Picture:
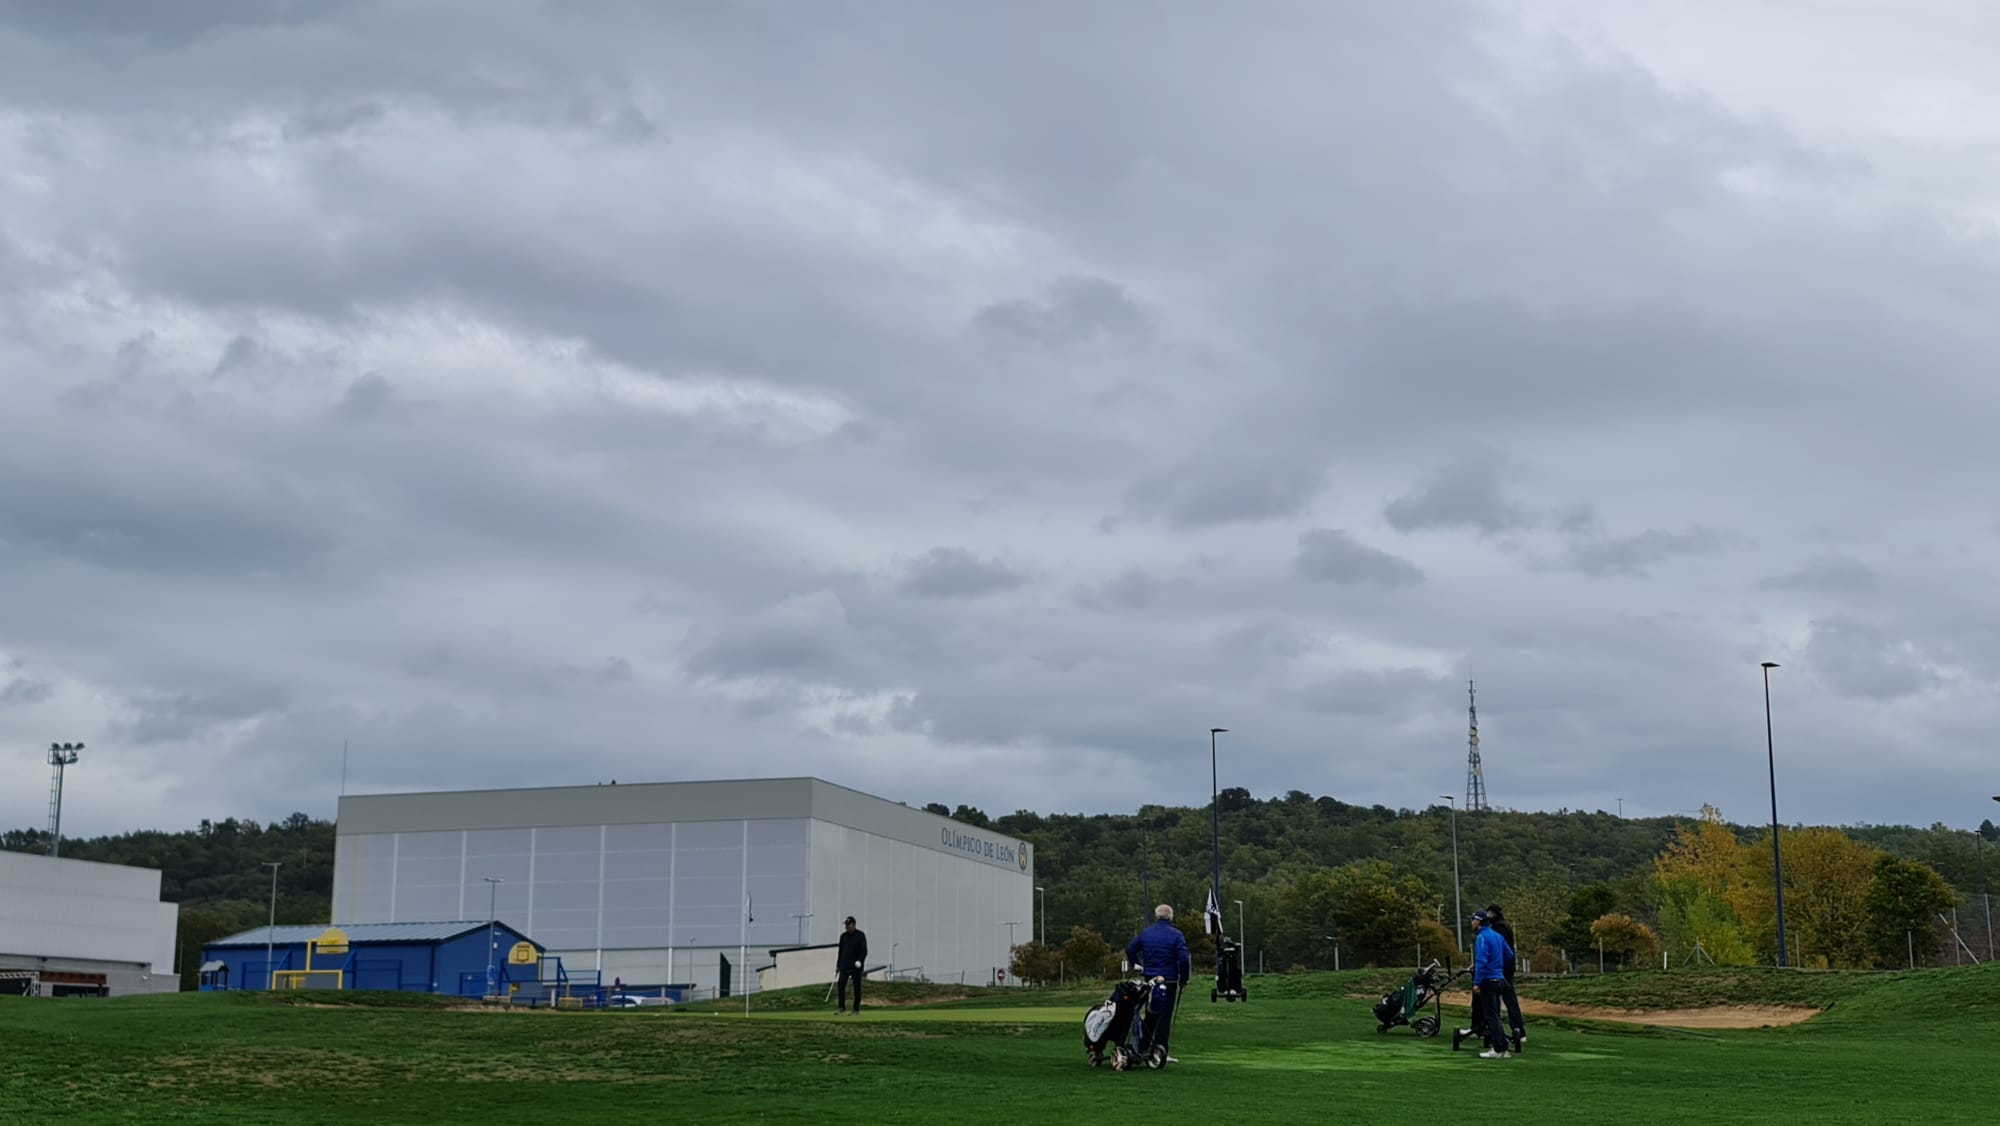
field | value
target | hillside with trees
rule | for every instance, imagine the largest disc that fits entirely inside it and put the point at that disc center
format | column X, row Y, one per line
column 1314, row 873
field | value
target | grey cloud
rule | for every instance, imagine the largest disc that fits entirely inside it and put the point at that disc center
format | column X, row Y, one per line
column 1335, row 556
column 1865, row 660
column 805, row 638
column 1229, row 487
column 181, row 716
column 1130, row 589
column 1376, row 693
column 1831, row 575
column 367, row 399
column 1076, row 310
column 954, row 572
column 23, row 690
column 688, row 318
column 1465, row 493
column 1634, row 555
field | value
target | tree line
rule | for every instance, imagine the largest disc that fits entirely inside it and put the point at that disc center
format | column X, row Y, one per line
column 1315, row 875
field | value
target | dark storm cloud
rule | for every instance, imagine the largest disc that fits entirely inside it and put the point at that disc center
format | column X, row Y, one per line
column 499, row 387
column 1333, row 555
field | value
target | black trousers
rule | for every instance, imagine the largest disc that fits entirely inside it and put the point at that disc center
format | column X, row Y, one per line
column 1513, row 1004
column 841, row 983
column 1489, row 1012
column 1513, row 1007
column 1159, row 1026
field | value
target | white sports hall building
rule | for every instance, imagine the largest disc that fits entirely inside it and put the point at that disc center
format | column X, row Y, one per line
column 649, row 883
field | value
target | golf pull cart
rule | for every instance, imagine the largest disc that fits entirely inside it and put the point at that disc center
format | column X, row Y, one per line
column 1228, row 973
column 1406, row 1005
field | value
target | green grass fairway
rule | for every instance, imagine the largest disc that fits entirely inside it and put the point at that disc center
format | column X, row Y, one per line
column 1910, row 1047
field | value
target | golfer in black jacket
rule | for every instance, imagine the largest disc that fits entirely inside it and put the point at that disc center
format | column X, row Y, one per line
column 1498, row 922
column 853, row 958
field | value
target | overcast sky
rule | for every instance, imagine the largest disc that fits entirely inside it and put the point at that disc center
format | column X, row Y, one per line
column 977, row 403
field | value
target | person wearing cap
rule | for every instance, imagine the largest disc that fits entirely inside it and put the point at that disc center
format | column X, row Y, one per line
column 852, row 956
column 1489, row 979
column 1497, row 919
column 1161, row 951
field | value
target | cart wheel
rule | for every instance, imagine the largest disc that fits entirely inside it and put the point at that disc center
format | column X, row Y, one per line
column 1425, row 1026
column 1380, row 1029
column 1120, row 1061
column 1157, row 1058
column 1213, row 996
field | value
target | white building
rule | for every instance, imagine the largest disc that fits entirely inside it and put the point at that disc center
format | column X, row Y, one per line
column 79, row 927
column 649, row 883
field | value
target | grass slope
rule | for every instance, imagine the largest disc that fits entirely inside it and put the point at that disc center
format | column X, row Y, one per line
column 1300, row 1050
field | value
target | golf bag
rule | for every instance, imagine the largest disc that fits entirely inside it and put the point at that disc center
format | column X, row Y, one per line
column 1406, row 1005
column 1228, row 973
column 1115, row 1026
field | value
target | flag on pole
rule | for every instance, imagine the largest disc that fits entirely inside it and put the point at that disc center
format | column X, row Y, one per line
column 1213, row 915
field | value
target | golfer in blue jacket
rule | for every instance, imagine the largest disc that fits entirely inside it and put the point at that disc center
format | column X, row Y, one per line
column 1160, row 951
column 1490, row 953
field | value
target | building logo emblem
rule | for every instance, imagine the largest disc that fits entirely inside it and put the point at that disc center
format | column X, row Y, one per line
column 1021, row 856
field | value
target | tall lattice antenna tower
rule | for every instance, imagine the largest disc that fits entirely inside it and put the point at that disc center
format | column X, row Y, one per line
column 1475, row 778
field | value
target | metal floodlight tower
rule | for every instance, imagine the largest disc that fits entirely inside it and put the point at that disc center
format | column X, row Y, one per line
column 1475, row 774
column 60, row 755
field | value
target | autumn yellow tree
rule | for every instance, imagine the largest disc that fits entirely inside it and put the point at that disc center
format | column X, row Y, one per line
column 1827, row 878
column 1625, row 940
column 1696, row 877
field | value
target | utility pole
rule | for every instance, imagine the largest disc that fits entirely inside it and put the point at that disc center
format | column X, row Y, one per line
column 1042, row 909
column 270, row 932
column 1457, row 900
column 492, row 931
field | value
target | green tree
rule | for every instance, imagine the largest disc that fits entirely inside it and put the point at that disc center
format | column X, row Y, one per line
column 1586, row 906
column 1034, row 964
column 1904, row 900
column 1088, row 957
column 1625, row 940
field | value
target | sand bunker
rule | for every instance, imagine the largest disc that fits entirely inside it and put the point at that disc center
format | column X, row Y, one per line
column 1713, row 1016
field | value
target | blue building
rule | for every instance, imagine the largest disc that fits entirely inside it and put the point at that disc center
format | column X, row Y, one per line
column 449, row 957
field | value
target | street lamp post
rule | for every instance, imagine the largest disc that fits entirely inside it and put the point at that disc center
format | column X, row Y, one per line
column 1010, row 924
column 270, row 931
column 1777, row 861
column 1983, row 897
column 1241, row 940
column 1214, row 815
column 1457, row 900
column 802, row 925
column 492, row 927
column 1042, row 908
